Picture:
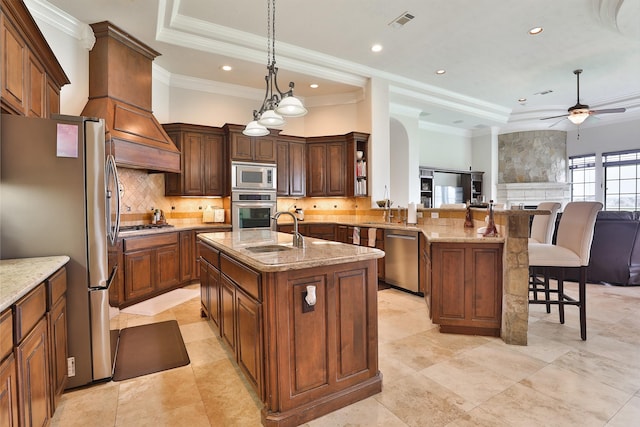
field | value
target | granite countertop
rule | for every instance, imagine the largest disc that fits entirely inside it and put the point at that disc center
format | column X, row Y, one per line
column 318, row 252
column 145, row 231
column 19, row 276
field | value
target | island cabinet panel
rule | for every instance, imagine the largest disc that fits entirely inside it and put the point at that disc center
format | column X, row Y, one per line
column 248, row 316
column 323, row 355
column 466, row 288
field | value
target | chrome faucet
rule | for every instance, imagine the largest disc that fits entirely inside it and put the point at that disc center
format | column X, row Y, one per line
column 298, row 240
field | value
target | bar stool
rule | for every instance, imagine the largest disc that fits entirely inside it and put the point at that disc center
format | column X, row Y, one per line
column 571, row 251
column 542, row 226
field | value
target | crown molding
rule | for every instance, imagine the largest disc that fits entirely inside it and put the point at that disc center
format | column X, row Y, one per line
column 46, row 12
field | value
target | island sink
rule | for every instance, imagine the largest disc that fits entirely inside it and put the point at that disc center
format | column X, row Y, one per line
column 269, row 248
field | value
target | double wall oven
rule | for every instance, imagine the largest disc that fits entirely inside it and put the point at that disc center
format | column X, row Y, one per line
column 253, row 195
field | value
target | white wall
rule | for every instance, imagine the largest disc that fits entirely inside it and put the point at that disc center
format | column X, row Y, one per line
column 613, row 137
column 444, row 150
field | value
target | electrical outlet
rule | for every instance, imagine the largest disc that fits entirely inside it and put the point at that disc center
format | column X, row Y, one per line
column 71, row 367
column 419, row 214
column 435, row 215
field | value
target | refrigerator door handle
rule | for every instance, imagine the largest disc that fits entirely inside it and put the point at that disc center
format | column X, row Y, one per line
column 113, row 225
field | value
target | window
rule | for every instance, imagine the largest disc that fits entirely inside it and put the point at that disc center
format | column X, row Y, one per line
column 622, row 180
column 582, row 171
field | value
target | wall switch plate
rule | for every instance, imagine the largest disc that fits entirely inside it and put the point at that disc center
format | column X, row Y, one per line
column 435, row 215
column 71, row 367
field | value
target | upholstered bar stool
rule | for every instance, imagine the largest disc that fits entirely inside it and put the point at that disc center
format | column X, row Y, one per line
column 542, row 228
column 571, row 251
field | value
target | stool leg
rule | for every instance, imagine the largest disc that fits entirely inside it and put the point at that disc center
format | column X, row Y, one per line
column 561, row 294
column 547, row 296
column 582, row 293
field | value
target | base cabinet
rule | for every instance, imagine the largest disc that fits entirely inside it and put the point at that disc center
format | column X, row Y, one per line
column 466, row 294
column 57, row 325
column 34, row 395
column 8, row 392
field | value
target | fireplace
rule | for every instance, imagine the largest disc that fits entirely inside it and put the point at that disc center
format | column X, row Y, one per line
column 533, row 193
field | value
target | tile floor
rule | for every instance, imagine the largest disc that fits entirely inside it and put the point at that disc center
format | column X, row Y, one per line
column 429, row 379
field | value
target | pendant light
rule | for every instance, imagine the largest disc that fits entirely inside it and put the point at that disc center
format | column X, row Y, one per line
column 276, row 104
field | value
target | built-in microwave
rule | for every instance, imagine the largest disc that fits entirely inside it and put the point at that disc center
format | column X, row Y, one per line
column 253, row 176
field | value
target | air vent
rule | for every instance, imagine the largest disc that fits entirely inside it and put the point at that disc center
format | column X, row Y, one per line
column 544, row 92
column 401, row 20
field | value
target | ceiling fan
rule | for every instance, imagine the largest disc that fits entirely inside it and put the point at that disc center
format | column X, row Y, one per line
column 580, row 112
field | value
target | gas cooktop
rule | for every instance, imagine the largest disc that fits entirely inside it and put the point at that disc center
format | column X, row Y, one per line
column 143, row 227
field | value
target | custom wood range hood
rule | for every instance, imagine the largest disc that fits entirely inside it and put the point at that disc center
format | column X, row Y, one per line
column 120, row 92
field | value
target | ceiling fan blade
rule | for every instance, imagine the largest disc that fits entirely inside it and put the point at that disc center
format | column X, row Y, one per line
column 555, row 123
column 554, row 117
column 608, row 110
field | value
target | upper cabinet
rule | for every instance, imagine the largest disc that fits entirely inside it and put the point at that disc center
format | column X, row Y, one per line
column 261, row 149
column 31, row 77
column 204, row 161
column 291, row 166
column 333, row 167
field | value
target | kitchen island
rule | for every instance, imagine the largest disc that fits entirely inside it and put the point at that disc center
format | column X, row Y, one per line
column 301, row 323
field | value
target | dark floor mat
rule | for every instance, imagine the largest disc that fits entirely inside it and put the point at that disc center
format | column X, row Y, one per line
column 149, row 348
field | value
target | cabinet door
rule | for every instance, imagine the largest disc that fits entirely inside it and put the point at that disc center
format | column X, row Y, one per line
column 213, row 279
column 57, row 319
column 227, row 314
column 249, row 342
column 205, row 300
column 336, row 169
column 8, row 393
column 214, row 166
column 115, row 257
column 241, row 147
column 14, row 57
column 138, row 278
column 33, row 376
column 282, row 165
column 37, row 88
column 173, row 181
column 317, row 169
column 186, row 255
column 484, row 292
column 52, row 100
column 192, row 175
column 448, row 300
column 168, row 266
column 297, row 167
column 264, row 149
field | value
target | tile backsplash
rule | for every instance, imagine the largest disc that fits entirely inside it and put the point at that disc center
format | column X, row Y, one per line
column 142, row 192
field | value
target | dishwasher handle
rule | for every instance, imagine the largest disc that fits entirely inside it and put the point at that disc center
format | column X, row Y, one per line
column 401, row 236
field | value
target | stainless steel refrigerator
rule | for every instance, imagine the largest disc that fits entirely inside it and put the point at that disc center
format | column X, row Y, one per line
column 59, row 196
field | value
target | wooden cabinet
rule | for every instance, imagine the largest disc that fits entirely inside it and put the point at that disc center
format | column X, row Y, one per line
column 187, row 255
column 8, row 391
column 8, row 373
column 57, row 320
column 204, row 161
column 30, row 75
column 259, row 149
column 424, row 270
column 326, row 167
column 209, row 260
column 291, row 166
column 333, row 168
column 466, row 287
column 151, row 266
column 32, row 358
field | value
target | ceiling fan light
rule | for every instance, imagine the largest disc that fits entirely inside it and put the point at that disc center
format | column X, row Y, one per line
column 578, row 118
column 290, row 106
column 270, row 118
column 253, row 128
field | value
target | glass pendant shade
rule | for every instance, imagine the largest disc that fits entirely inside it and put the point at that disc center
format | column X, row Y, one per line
column 270, row 118
column 578, row 118
column 255, row 129
column 290, row 106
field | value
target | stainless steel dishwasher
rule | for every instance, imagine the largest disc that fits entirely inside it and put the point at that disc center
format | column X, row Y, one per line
column 401, row 259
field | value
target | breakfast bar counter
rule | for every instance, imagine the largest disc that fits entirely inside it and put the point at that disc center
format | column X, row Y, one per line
column 301, row 323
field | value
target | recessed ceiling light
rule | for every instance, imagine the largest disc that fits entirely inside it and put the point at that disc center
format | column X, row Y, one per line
column 535, row 30
column 376, row 48
column 521, row 100
column 313, row 85
column 441, row 71
column 226, row 68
